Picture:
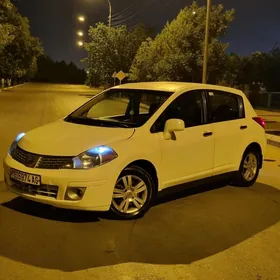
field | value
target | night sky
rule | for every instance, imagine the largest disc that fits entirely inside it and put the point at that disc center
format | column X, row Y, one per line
column 255, row 28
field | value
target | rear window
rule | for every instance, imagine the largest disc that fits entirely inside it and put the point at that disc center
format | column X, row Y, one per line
column 225, row 106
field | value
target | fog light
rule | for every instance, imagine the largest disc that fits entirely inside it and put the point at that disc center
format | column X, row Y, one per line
column 74, row 193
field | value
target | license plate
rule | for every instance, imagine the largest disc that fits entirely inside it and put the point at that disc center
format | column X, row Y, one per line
column 26, row 178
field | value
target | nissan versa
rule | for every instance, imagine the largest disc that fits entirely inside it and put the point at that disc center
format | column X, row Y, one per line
column 121, row 148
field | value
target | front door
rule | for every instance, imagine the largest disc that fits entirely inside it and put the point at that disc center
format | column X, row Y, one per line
column 189, row 154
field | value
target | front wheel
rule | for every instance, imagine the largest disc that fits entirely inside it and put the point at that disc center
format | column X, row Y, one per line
column 134, row 193
column 249, row 169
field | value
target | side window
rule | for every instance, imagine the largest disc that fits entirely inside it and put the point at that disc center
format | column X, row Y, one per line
column 187, row 107
column 224, row 106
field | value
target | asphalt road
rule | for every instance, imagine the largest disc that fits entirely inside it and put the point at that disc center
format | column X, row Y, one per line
column 216, row 232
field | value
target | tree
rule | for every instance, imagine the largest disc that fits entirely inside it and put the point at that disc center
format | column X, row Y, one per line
column 112, row 49
column 18, row 55
column 271, row 70
column 50, row 71
column 177, row 52
column 235, row 70
column 255, row 70
column 6, row 29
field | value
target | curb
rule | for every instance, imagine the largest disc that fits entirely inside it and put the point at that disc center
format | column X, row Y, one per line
column 273, row 140
column 5, row 88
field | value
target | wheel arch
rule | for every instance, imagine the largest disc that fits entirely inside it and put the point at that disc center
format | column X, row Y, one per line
column 256, row 147
column 148, row 167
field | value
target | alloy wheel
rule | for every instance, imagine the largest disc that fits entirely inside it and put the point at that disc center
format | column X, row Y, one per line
column 130, row 194
column 250, row 167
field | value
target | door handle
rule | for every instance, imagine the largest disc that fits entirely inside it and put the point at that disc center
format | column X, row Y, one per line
column 243, row 127
column 207, row 133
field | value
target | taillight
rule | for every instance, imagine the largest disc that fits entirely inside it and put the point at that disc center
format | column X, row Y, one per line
column 260, row 121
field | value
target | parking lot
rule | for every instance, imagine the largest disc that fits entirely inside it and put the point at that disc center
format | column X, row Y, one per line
column 212, row 232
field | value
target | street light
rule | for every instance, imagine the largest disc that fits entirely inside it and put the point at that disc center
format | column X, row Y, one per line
column 80, row 33
column 206, row 43
column 80, row 43
column 81, row 18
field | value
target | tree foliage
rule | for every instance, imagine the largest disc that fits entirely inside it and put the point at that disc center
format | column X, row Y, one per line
column 50, row 71
column 177, row 52
column 264, row 68
column 112, row 49
column 256, row 70
column 19, row 50
column 6, row 29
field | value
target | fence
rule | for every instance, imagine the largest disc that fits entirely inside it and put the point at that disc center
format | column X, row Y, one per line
column 265, row 100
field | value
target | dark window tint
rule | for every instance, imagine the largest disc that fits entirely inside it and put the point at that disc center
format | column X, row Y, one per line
column 224, row 106
column 187, row 107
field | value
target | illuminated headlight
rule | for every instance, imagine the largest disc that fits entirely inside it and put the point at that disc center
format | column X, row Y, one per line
column 14, row 144
column 94, row 157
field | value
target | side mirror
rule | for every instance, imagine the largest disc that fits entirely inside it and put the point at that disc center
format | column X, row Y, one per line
column 173, row 125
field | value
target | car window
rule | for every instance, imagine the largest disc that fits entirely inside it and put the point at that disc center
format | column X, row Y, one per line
column 120, row 107
column 224, row 106
column 187, row 107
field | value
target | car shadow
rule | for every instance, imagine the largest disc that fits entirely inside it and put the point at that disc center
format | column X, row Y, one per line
column 50, row 213
column 180, row 229
column 184, row 190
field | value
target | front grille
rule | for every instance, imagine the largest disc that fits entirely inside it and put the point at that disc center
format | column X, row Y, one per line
column 41, row 161
column 47, row 162
column 43, row 190
column 28, row 159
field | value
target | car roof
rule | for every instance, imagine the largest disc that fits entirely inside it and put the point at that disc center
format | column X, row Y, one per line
column 175, row 86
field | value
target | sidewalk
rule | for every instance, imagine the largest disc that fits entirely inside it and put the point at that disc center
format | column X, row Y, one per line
column 271, row 118
column 269, row 115
column 273, row 140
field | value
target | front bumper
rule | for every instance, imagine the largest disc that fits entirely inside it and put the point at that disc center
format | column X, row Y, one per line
column 98, row 183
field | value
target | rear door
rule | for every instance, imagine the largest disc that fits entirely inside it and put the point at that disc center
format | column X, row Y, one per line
column 226, row 113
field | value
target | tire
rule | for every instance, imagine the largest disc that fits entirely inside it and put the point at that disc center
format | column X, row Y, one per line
column 134, row 193
column 247, row 176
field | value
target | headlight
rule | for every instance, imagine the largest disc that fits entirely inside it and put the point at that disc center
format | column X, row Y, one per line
column 14, row 144
column 94, row 157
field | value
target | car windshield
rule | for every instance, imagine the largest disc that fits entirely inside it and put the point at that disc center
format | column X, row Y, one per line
column 120, row 108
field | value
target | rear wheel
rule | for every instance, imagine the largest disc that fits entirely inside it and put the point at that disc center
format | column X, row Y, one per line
column 134, row 193
column 249, row 169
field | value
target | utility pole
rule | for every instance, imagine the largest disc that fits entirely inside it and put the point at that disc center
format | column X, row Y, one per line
column 206, row 43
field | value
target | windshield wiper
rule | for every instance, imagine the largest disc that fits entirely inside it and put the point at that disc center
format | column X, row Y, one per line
column 114, row 123
column 97, row 122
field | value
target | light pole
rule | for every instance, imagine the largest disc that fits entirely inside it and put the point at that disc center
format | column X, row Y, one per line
column 110, row 13
column 206, row 43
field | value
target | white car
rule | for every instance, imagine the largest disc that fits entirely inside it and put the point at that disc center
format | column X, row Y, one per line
column 132, row 141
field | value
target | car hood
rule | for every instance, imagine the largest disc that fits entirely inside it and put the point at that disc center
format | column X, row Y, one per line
column 67, row 139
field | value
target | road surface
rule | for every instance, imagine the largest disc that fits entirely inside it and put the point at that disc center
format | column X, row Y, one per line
column 214, row 233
